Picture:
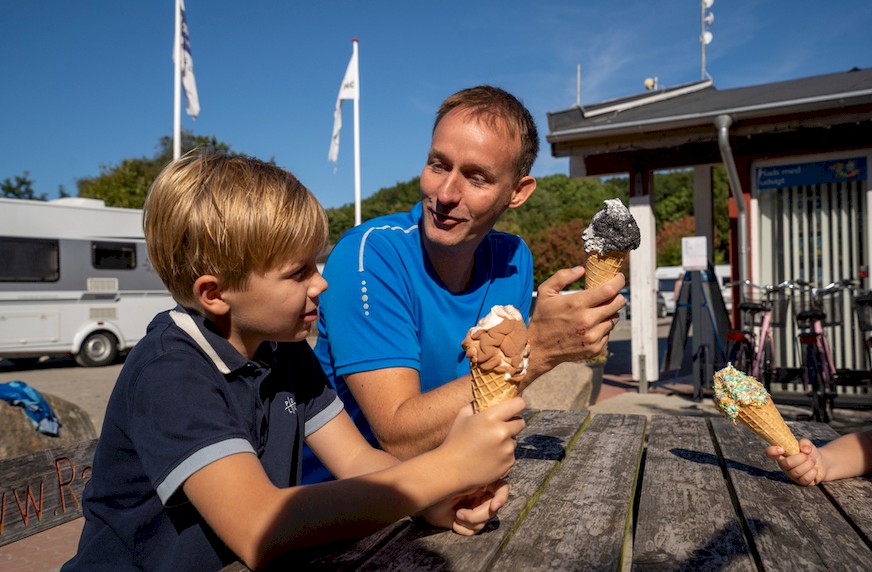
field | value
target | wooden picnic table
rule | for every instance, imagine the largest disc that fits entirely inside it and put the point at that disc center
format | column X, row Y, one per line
column 621, row 492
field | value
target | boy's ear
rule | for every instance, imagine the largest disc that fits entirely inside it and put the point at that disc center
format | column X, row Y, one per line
column 207, row 290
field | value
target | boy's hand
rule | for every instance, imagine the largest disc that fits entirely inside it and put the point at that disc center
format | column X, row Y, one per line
column 805, row 468
column 481, row 446
column 468, row 513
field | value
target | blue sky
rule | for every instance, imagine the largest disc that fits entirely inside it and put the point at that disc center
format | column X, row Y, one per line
column 89, row 83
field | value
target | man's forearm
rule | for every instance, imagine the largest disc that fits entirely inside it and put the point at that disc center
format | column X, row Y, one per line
column 421, row 423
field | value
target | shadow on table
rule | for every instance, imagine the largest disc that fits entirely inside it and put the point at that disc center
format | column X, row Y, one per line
column 709, row 459
column 540, row 447
column 724, row 546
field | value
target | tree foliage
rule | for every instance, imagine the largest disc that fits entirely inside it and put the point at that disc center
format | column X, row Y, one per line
column 126, row 184
column 21, row 187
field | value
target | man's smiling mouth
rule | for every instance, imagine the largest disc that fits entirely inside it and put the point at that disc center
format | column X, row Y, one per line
column 444, row 219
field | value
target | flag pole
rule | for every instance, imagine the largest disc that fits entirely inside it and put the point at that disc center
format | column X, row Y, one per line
column 356, row 140
column 177, row 83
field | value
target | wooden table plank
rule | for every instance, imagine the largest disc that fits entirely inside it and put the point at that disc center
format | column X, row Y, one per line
column 852, row 496
column 581, row 519
column 792, row 527
column 541, row 447
column 686, row 519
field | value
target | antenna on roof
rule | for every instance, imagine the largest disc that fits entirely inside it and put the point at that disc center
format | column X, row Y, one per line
column 705, row 37
column 578, row 86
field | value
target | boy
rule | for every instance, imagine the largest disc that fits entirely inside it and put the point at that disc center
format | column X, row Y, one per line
column 201, row 443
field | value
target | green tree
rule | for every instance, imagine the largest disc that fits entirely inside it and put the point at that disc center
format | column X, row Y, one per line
column 21, row 187
column 126, row 184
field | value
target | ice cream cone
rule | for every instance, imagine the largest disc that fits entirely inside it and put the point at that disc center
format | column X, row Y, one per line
column 498, row 354
column 741, row 397
column 601, row 267
column 490, row 388
column 766, row 421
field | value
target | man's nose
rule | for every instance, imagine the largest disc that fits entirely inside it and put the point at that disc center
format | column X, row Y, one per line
column 450, row 189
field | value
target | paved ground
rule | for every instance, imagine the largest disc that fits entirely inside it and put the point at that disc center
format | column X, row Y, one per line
column 566, row 387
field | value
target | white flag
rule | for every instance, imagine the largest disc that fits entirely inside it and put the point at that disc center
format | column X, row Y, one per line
column 348, row 90
column 192, row 106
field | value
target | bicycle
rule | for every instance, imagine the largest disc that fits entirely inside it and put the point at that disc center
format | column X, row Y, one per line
column 863, row 310
column 748, row 351
column 819, row 370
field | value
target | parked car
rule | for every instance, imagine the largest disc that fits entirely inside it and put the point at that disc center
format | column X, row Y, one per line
column 661, row 303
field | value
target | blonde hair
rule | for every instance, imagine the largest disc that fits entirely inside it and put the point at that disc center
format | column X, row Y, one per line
column 229, row 216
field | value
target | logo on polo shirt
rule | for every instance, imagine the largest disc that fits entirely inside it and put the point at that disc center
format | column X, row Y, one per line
column 290, row 405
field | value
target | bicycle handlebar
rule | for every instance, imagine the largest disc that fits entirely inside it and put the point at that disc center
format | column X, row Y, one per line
column 844, row 284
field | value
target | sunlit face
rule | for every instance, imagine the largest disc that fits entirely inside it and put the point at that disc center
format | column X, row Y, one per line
column 468, row 181
column 280, row 305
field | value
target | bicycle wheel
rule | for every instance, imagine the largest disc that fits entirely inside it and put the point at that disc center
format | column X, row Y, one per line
column 741, row 355
column 814, row 385
column 767, row 364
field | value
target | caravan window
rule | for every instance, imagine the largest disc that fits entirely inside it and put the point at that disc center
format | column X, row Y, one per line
column 666, row 284
column 29, row 260
column 113, row 255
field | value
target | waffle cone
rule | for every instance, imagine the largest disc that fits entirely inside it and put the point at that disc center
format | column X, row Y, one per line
column 601, row 267
column 490, row 388
column 766, row 421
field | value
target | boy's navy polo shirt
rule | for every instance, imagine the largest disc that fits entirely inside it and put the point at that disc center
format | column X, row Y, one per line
column 186, row 398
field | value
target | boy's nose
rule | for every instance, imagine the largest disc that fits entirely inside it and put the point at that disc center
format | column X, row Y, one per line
column 317, row 285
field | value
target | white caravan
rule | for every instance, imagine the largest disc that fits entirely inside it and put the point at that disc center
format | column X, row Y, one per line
column 668, row 276
column 74, row 280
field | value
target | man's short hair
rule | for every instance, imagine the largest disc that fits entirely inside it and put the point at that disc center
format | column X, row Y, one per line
column 486, row 100
column 229, row 216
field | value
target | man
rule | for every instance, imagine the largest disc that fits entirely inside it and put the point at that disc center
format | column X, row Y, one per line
column 405, row 288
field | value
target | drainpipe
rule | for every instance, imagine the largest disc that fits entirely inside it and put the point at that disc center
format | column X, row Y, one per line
column 723, row 122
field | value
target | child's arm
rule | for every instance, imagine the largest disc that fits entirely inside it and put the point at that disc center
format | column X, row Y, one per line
column 466, row 514
column 258, row 520
column 848, row 456
column 344, row 451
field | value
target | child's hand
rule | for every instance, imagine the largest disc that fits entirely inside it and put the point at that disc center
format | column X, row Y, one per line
column 468, row 513
column 805, row 468
column 480, row 447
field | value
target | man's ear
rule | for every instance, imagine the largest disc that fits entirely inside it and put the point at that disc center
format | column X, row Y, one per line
column 522, row 192
column 207, row 290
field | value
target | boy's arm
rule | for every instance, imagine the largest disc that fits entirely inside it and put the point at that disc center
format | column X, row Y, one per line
column 344, row 451
column 347, row 454
column 258, row 520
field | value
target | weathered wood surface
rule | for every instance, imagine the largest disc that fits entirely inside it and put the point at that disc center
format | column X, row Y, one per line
column 43, row 489
column 409, row 545
column 686, row 519
column 791, row 527
column 581, row 520
column 708, row 499
column 852, row 496
column 541, row 447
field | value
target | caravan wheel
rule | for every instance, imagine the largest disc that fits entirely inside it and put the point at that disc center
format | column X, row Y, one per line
column 98, row 349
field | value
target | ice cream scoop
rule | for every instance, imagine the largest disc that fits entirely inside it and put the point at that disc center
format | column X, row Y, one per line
column 498, row 354
column 612, row 233
column 740, row 397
